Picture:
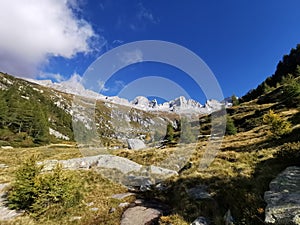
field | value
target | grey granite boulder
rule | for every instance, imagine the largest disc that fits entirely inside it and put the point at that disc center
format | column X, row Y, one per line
column 122, row 170
column 283, row 198
column 135, row 144
column 102, row 161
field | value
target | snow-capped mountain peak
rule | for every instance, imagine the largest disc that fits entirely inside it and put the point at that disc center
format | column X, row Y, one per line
column 179, row 105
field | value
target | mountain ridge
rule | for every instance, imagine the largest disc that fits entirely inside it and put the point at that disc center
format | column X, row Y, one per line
column 179, row 105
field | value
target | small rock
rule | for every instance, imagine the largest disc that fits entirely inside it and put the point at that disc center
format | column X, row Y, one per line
column 139, row 201
column 200, row 221
column 74, row 218
column 89, row 204
column 94, row 209
column 161, row 187
column 135, row 144
column 111, row 210
column 140, row 215
column 3, row 166
column 122, row 196
column 7, row 147
column 199, row 192
column 124, row 204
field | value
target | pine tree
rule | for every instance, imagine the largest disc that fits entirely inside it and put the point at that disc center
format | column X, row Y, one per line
column 39, row 126
column 3, row 110
column 230, row 127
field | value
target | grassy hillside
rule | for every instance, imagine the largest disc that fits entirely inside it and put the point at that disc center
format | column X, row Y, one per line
column 236, row 179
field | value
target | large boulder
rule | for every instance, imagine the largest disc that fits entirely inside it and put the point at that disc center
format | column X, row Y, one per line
column 135, row 144
column 283, row 198
column 122, row 170
column 100, row 161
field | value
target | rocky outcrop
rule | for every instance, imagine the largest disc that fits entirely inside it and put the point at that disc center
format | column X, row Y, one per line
column 283, row 198
column 116, row 168
column 135, row 144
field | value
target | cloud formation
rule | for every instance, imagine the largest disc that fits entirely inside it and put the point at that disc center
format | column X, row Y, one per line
column 146, row 14
column 131, row 57
column 34, row 30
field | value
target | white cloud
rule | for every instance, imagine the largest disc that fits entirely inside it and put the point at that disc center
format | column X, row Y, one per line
column 131, row 57
column 102, row 86
column 145, row 14
column 33, row 30
column 56, row 76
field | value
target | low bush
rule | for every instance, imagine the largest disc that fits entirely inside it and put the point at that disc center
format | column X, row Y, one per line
column 36, row 192
column 277, row 126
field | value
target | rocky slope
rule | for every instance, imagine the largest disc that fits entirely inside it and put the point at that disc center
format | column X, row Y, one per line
column 68, row 112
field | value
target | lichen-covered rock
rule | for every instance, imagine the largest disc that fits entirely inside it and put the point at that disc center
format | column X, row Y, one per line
column 283, row 198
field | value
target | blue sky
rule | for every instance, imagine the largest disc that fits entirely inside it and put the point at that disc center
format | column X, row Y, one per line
column 240, row 41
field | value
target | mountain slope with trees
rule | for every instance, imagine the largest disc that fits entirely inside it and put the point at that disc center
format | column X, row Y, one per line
column 287, row 68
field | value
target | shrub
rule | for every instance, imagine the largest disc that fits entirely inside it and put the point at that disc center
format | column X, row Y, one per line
column 36, row 192
column 277, row 126
column 22, row 193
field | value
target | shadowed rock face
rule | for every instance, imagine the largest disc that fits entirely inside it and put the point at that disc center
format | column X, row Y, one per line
column 283, row 198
